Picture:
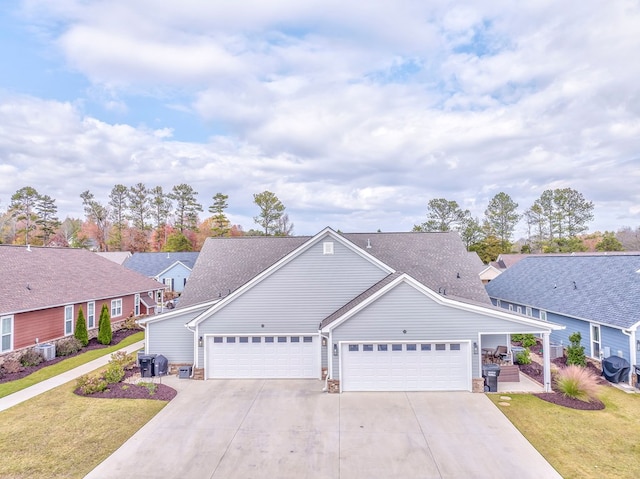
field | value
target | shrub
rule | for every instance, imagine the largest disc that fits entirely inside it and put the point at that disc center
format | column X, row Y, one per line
column 81, row 333
column 526, row 340
column 575, row 352
column 130, row 324
column 152, row 387
column 114, row 373
column 577, row 382
column 104, row 326
column 31, row 357
column 523, row 357
column 127, row 361
column 68, row 346
column 91, row 384
column 11, row 366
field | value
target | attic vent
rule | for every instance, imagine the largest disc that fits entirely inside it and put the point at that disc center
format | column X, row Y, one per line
column 368, row 243
column 327, row 247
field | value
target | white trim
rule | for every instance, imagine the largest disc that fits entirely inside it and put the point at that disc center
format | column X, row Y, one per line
column 486, row 311
column 11, row 332
column 69, row 319
column 136, row 304
column 592, row 341
column 92, row 316
column 175, row 312
column 116, row 300
column 171, row 267
column 288, row 258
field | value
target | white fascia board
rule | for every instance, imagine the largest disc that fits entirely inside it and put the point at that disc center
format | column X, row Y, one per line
column 176, row 312
column 405, row 278
column 171, row 267
column 288, row 258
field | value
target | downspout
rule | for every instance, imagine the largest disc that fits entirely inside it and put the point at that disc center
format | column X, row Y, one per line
column 195, row 348
column 632, row 350
column 326, row 379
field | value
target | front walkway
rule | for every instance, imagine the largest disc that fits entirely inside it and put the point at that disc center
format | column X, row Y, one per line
column 44, row 386
column 526, row 385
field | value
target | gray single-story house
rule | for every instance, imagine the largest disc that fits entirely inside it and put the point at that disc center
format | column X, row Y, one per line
column 372, row 311
column 596, row 296
column 171, row 269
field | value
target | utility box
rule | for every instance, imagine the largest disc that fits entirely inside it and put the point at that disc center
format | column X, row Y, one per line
column 490, row 373
column 47, row 350
column 147, row 369
column 556, row 351
column 184, row 372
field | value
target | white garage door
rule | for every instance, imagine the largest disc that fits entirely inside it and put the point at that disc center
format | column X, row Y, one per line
column 244, row 356
column 420, row 366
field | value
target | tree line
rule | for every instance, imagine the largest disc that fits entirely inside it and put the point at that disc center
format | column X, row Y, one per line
column 135, row 218
column 555, row 223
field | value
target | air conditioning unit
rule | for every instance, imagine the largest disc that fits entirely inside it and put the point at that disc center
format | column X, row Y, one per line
column 48, row 350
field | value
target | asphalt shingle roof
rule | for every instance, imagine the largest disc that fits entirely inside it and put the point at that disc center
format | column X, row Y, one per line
column 438, row 260
column 37, row 278
column 601, row 288
column 152, row 264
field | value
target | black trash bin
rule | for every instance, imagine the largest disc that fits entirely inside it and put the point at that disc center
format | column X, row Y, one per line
column 490, row 373
column 615, row 369
column 147, row 369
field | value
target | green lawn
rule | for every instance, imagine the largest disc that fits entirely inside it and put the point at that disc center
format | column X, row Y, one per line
column 60, row 435
column 66, row 365
column 582, row 444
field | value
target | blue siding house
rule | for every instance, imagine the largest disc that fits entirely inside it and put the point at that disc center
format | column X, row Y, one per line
column 171, row 269
column 598, row 296
column 368, row 311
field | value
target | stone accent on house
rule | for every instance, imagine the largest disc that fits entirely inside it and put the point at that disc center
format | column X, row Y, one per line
column 333, row 386
column 478, row 385
column 324, row 373
column 198, row 373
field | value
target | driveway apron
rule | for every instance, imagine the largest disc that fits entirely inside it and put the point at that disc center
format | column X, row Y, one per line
column 291, row 429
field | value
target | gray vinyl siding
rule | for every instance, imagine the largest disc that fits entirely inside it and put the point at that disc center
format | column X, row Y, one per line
column 298, row 296
column 616, row 340
column 171, row 338
column 405, row 308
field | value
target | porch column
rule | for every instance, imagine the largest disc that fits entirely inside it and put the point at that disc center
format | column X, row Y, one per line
column 546, row 362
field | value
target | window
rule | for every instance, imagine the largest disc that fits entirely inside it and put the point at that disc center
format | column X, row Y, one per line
column 91, row 314
column 116, row 308
column 595, row 341
column 268, row 339
column 168, row 284
column 136, row 305
column 244, row 339
column 498, row 303
column 425, row 347
column 367, row 347
column 382, row 347
column 411, row 347
column 354, row 347
column 231, row 339
column 519, row 309
column 396, row 347
column 68, row 320
column 528, row 311
column 6, row 330
column 256, row 339
column 441, row 347
column 295, row 339
column 543, row 315
column 454, row 347
column 217, row 339
column 307, row 339
column 282, row 339
column 511, row 307
column 327, row 247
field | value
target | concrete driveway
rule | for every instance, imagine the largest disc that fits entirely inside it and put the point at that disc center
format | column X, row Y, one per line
column 291, row 429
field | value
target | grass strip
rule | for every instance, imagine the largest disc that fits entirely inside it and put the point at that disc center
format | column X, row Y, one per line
column 66, row 365
column 582, row 444
column 60, row 435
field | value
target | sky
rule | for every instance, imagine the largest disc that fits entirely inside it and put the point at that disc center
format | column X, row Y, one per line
column 355, row 114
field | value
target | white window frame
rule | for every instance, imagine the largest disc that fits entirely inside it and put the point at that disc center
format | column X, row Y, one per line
column 68, row 320
column 168, row 283
column 519, row 309
column 498, row 303
column 91, row 314
column 116, row 308
column 543, row 315
column 327, row 247
column 595, row 342
column 136, row 305
column 528, row 311
column 3, row 333
column 510, row 307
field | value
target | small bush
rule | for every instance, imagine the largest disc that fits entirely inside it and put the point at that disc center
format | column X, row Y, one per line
column 526, row 340
column 68, row 346
column 91, row 384
column 130, row 324
column 127, row 361
column 104, row 326
column 575, row 352
column 12, row 366
column 31, row 357
column 523, row 357
column 578, row 383
column 114, row 373
column 152, row 387
column 81, row 333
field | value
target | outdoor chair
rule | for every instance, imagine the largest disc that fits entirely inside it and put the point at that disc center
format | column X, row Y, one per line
column 501, row 354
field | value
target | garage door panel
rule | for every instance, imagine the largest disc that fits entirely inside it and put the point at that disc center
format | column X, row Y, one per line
column 419, row 367
column 262, row 357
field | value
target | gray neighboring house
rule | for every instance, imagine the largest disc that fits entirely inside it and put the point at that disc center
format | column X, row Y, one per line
column 372, row 311
column 597, row 296
column 171, row 269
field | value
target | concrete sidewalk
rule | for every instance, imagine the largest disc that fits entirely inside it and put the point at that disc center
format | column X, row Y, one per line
column 32, row 391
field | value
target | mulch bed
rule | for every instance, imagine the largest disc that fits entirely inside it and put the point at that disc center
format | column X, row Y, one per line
column 127, row 390
column 562, row 400
column 93, row 344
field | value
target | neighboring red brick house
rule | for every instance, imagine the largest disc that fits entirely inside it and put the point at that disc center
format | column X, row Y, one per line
column 42, row 289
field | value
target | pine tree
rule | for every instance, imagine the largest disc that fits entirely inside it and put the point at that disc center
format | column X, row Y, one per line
column 575, row 352
column 104, row 326
column 81, row 332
